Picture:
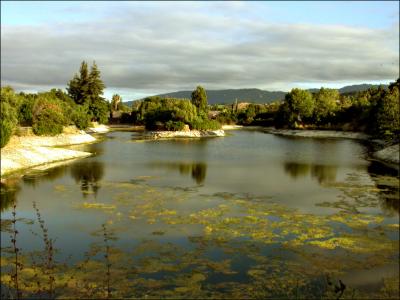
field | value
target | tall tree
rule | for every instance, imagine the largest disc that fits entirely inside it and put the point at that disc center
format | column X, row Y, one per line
column 388, row 111
column 115, row 102
column 199, row 99
column 325, row 103
column 78, row 86
column 95, row 84
column 87, row 89
column 300, row 103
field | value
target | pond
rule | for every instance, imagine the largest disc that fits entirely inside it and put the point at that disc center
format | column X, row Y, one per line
column 249, row 215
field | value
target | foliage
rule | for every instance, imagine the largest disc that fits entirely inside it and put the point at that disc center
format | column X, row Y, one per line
column 26, row 109
column 100, row 111
column 48, row 117
column 174, row 125
column 162, row 110
column 48, row 122
column 325, row 104
column 300, row 103
column 226, row 117
column 116, row 102
column 8, row 122
column 81, row 117
column 87, row 89
column 10, row 103
column 387, row 116
column 79, row 85
column 8, row 95
column 96, row 85
column 199, row 98
column 205, row 124
column 247, row 116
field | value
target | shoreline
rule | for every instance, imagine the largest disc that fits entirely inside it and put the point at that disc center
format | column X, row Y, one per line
column 318, row 133
column 185, row 134
column 32, row 151
column 389, row 156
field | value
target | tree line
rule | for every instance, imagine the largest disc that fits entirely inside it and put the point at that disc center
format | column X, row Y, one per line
column 375, row 111
column 48, row 112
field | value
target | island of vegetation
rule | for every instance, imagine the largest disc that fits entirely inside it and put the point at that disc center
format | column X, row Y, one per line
column 48, row 117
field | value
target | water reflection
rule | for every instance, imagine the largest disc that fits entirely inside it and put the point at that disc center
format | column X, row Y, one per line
column 197, row 170
column 37, row 176
column 88, row 174
column 9, row 190
column 323, row 173
column 387, row 181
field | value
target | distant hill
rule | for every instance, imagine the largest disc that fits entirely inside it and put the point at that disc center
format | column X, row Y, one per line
column 253, row 95
column 359, row 88
column 230, row 95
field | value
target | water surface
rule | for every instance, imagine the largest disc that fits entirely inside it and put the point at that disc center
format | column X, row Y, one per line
column 247, row 215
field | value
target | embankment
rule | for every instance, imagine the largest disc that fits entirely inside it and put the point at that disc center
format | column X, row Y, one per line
column 30, row 151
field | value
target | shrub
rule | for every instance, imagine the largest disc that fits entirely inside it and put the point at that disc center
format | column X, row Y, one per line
column 100, row 111
column 226, row 118
column 8, row 95
column 8, row 122
column 81, row 117
column 25, row 112
column 387, row 116
column 205, row 124
column 174, row 125
column 48, row 119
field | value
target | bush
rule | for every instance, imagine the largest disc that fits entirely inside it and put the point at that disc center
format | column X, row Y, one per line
column 174, row 125
column 8, row 122
column 48, row 118
column 25, row 112
column 100, row 111
column 387, row 115
column 81, row 117
column 205, row 124
column 226, row 118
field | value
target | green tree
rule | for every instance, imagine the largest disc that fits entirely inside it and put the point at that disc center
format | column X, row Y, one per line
column 78, row 87
column 98, row 107
column 387, row 117
column 199, row 99
column 95, row 84
column 9, row 106
column 8, row 122
column 115, row 102
column 87, row 89
column 49, row 115
column 300, row 104
column 325, row 103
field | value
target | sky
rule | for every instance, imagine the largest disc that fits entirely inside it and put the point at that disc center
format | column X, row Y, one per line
column 148, row 48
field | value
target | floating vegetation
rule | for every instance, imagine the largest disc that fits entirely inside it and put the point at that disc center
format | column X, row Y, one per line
column 98, row 206
column 219, row 245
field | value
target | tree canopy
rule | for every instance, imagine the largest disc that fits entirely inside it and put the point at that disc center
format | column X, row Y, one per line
column 86, row 88
column 199, row 99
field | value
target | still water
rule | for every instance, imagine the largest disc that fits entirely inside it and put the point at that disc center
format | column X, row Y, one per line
column 248, row 215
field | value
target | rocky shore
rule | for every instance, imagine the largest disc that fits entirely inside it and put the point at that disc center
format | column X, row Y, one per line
column 318, row 133
column 389, row 155
column 185, row 134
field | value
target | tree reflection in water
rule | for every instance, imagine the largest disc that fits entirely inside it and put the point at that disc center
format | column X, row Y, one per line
column 88, row 174
column 387, row 181
column 8, row 192
column 36, row 176
column 198, row 170
column 323, row 173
